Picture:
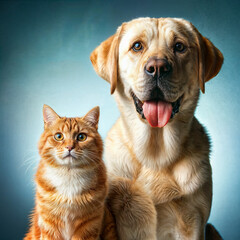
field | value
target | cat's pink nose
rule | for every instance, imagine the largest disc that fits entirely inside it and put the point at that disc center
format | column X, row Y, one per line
column 69, row 148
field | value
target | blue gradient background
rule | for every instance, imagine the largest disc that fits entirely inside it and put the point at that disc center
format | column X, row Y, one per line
column 44, row 58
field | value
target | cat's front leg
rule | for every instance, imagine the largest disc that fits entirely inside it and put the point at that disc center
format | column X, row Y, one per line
column 90, row 228
column 47, row 236
column 109, row 229
column 133, row 210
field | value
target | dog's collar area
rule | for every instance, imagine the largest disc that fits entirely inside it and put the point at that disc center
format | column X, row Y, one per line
column 139, row 105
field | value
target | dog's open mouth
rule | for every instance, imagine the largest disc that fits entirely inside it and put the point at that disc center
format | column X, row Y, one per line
column 156, row 111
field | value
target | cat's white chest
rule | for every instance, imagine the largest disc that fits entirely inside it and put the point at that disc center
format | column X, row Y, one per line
column 69, row 182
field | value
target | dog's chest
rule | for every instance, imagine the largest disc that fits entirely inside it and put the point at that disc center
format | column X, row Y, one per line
column 150, row 179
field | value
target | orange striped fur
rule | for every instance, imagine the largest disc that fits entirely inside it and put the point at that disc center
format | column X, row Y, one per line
column 71, row 181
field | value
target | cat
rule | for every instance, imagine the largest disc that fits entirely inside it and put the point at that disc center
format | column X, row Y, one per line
column 71, row 181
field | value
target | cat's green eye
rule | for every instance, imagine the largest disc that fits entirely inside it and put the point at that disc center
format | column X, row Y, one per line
column 81, row 137
column 58, row 137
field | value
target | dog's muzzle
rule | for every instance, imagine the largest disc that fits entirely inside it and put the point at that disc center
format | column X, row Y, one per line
column 139, row 105
column 155, row 108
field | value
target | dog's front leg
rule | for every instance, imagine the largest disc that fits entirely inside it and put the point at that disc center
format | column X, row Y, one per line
column 160, row 186
column 134, row 211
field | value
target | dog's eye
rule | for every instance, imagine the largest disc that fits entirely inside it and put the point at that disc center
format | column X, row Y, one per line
column 137, row 46
column 58, row 137
column 179, row 47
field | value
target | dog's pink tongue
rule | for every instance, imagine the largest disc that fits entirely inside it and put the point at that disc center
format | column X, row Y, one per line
column 157, row 113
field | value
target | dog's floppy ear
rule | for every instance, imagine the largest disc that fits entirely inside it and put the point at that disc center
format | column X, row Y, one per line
column 210, row 61
column 105, row 59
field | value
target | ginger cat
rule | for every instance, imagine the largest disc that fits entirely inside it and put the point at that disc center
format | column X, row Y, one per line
column 71, row 181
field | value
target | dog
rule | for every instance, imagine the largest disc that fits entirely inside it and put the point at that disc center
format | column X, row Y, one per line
column 157, row 153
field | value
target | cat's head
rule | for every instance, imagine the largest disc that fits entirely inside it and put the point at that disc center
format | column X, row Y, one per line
column 72, row 142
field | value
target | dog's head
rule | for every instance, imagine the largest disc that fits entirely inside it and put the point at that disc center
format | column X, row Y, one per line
column 161, row 63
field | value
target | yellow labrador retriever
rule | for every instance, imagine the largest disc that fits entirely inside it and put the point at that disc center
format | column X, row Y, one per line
column 157, row 153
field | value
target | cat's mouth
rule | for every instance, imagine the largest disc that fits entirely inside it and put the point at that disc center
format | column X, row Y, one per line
column 69, row 155
column 68, row 159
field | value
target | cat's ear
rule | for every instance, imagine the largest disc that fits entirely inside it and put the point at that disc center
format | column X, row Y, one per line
column 49, row 116
column 92, row 117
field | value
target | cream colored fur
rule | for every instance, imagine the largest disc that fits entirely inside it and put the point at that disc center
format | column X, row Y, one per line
column 161, row 184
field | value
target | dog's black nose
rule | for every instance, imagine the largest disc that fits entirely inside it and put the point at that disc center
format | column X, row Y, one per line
column 157, row 67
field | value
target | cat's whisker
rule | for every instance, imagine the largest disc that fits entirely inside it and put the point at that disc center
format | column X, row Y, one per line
column 30, row 161
column 90, row 159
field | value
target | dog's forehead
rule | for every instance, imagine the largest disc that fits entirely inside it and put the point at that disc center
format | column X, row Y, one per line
column 178, row 26
column 139, row 28
column 149, row 28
